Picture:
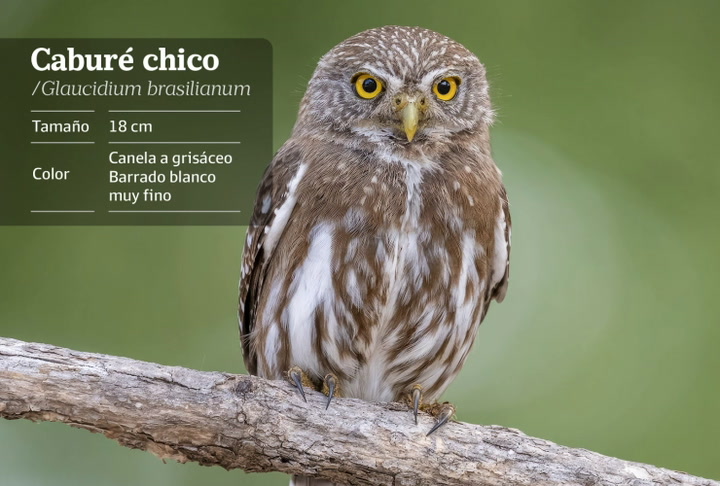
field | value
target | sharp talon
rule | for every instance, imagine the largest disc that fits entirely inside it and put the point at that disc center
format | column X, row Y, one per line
column 416, row 394
column 331, row 383
column 446, row 413
column 295, row 375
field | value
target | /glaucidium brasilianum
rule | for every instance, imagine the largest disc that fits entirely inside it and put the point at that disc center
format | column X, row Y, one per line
column 381, row 229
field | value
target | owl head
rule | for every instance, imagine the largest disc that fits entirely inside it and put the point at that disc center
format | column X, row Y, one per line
column 397, row 85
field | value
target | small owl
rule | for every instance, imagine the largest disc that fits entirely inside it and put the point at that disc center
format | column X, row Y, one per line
column 381, row 229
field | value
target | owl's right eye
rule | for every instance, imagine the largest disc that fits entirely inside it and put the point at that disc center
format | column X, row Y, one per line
column 367, row 86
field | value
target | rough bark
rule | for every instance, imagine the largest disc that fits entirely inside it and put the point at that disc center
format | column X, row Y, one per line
column 237, row 421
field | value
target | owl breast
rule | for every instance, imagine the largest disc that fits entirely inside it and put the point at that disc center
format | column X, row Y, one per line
column 389, row 291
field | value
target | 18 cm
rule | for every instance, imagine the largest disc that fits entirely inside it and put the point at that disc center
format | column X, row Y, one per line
column 122, row 126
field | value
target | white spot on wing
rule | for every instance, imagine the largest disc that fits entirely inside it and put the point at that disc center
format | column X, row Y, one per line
column 500, row 257
column 266, row 204
column 282, row 214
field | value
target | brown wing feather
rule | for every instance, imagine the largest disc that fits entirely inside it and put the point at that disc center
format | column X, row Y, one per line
column 272, row 193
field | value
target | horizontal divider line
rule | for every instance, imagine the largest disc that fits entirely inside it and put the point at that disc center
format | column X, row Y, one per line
column 174, row 211
column 174, row 111
column 175, row 143
column 62, row 111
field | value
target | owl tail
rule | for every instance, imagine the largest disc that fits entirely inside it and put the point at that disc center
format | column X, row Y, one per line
column 306, row 481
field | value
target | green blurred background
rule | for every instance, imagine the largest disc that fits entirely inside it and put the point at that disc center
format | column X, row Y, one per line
column 607, row 136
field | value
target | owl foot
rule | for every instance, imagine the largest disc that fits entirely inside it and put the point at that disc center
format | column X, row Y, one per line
column 443, row 412
column 416, row 397
column 329, row 387
column 299, row 380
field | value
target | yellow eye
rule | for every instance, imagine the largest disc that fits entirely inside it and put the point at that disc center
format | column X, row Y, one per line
column 446, row 88
column 367, row 86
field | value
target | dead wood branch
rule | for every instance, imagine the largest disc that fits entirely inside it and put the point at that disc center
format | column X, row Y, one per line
column 236, row 421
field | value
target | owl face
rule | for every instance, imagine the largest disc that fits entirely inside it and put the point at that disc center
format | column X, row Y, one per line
column 400, row 86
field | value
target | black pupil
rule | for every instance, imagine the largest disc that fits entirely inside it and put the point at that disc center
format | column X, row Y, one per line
column 443, row 87
column 369, row 85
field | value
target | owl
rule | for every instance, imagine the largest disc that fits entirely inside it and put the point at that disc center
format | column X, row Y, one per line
column 381, row 229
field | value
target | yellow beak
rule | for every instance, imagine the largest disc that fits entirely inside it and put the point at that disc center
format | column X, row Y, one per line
column 410, row 115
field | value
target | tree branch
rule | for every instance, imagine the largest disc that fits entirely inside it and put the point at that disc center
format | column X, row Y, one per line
column 245, row 422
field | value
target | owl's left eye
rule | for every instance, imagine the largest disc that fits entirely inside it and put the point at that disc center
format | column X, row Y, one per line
column 446, row 88
column 367, row 86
